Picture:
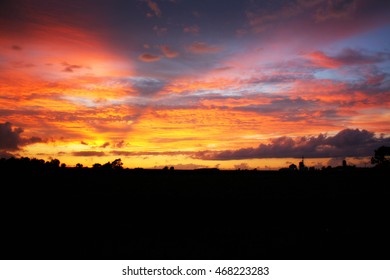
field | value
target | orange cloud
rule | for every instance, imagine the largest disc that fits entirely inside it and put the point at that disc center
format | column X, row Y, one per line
column 201, row 47
column 146, row 57
column 320, row 59
column 168, row 52
column 154, row 7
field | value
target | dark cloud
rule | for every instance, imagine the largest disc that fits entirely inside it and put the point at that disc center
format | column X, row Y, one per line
column 280, row 78
column 11, row 140
column 145, row 153
column 146, row 85
column 31, row 140
column 88, row 154
column 376, row 79
column 6, row 155
column 346, row 143
column 223, row 68
column 347, row 57
column 263, row 17
column 309, row 3
column 71, row 67
column 120, row 144
column 353, row 137
column 375, row 84
column 171, row 140
column 7, row 112
column 281, row 105
column 105, row 145
column 336, row 9
column 351, row 56
column 329, row 114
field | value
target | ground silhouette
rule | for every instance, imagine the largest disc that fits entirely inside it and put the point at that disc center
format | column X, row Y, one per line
column 108, row 212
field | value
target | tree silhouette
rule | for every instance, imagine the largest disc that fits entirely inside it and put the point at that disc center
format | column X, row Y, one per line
column 97, row 165
column 381, row 157
column 54, row 163
column 293, row 167
column 117, row 164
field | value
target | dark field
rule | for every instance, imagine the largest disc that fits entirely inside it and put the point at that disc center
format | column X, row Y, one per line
column 69, row 213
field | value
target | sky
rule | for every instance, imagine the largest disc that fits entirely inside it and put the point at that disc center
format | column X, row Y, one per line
column 194, row 84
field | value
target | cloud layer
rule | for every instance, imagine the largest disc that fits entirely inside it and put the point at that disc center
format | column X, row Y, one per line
column 346, row 143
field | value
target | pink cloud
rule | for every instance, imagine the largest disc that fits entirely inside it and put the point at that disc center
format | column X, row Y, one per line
column 146, row 57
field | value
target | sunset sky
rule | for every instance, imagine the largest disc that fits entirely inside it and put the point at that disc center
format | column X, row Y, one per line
column 189, row 83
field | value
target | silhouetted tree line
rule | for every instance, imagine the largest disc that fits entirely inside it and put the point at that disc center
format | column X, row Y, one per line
column 40, row 164
column 34, row 163
column 104, row 213
column 116, row 165
column 381, row 159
